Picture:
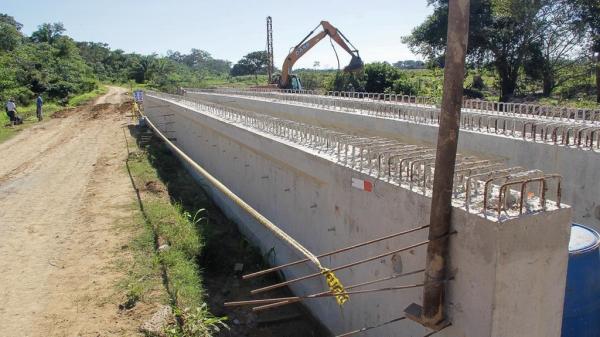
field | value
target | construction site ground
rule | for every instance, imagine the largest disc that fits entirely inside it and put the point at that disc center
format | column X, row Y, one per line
column 63, row 191
column 66, row 208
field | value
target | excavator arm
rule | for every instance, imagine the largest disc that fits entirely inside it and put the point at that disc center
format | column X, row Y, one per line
column 305, row 45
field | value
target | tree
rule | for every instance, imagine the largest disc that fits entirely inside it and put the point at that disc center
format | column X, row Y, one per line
column 48, row 32
column 588, row 16
column 409, row 64
column 160, row 71
column 501, row 32
column 10, row 37
column 429, row 38
column 217, row 66
column 10, row 33
column 559, row 42
column 98, row 57
column 139, row 67
column 380, row 76
column 512, row 34
column 253, row 63
column 197, row 58
column 65, row 47
column 201, row 61
column 5, row 18
column 94, row 52
column 343, row 81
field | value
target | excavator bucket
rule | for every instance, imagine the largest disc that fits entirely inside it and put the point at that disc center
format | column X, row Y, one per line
column 356, row 64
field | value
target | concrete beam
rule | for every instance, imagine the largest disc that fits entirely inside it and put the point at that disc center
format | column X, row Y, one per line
column 581, row 180
column 497, row 266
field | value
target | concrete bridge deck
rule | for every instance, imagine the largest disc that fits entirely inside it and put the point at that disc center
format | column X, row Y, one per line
column 574, row 156
column 324, row 180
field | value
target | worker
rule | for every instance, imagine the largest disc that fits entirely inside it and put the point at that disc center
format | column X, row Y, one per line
column 38, row 111
column 11, row 110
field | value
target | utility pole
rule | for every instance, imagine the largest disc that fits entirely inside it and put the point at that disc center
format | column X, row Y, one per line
column 270, row 48
column 432, row 313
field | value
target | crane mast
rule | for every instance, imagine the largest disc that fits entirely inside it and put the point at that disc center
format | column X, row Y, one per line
column 270, row 65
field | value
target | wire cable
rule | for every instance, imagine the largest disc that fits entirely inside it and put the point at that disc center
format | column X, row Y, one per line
column 335, row 51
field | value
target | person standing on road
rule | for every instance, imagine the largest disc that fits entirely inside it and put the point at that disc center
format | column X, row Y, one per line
column 38, row 111
column 11, row 110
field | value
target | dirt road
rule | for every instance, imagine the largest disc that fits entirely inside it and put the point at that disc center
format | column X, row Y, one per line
column 63, row 189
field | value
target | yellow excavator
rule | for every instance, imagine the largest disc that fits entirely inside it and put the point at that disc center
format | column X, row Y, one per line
column 287, row 80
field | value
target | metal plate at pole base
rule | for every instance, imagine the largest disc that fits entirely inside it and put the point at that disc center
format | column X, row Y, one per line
column 414, row 313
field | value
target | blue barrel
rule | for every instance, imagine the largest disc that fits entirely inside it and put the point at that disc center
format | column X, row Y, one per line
column 581, row 314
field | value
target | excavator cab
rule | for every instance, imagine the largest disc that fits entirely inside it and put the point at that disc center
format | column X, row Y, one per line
column 295, row 83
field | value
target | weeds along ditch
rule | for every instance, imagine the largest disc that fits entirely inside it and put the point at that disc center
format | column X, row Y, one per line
column 199, row 248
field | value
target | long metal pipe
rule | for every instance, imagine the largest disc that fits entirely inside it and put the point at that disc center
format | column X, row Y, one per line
column 278, row 232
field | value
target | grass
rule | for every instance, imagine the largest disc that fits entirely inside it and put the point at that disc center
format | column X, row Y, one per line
column 580, row 103
column 167, row 222
column 144, row 279
column 222, row 245
column 88, row 96
column 133, row 85
column 29, row 118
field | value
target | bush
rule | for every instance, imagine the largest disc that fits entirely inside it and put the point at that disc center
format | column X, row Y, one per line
column 404, row 86
column 380, row 76
column 346, row 82
column 60, row 90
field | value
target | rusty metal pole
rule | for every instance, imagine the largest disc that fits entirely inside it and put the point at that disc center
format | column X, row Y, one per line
column 431, row 314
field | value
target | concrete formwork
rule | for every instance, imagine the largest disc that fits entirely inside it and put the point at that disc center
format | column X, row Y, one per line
column 509, row 276
column 581, row 187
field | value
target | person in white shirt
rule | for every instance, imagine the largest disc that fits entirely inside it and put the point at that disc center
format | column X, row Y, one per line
column 11, row 110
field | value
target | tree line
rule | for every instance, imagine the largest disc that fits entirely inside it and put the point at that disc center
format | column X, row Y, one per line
column 51, row 63
column 541, row 42
column 517, row 49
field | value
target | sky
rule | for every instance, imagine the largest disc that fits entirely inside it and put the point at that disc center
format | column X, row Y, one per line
column 230, row 29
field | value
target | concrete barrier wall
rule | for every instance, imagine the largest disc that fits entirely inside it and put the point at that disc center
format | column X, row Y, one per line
column 311, row 198
column 579, row 168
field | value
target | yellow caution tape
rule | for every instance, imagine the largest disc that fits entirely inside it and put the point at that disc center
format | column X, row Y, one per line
column 335, row 286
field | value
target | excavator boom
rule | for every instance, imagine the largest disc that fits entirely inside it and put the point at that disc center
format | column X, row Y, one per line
column 305, row 45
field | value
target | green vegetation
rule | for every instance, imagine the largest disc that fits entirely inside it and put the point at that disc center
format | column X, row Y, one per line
column 52, row 64
column 253, row 63
column 534, row 48
column 171, row 241
column 143, row 281
column 86, row 97
column 47, row 63
column 198, row 323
